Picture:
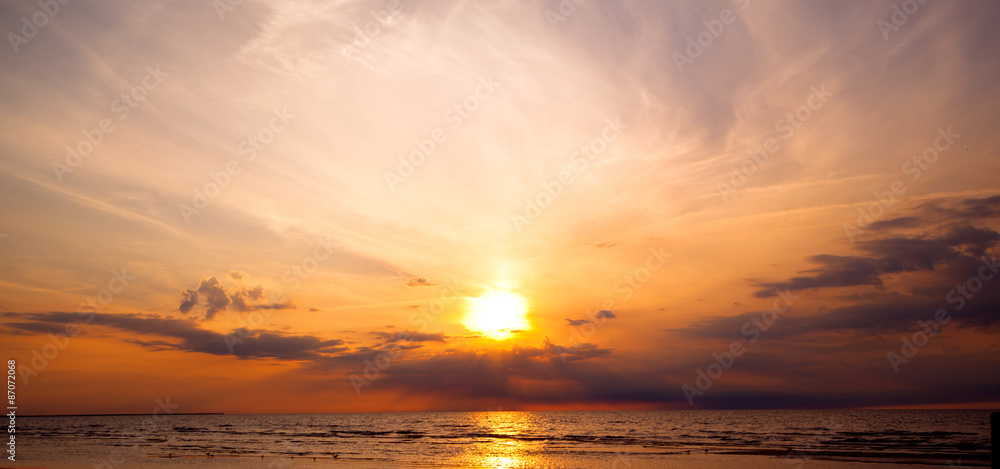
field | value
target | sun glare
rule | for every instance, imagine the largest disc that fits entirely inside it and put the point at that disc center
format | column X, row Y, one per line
column 497, row 313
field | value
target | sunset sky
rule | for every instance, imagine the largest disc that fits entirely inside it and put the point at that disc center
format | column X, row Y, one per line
column 345, row 206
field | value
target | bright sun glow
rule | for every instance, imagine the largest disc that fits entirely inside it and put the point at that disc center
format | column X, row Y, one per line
column 496, row 313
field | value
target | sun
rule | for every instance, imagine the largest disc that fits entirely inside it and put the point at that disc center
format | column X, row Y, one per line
column 497, row 313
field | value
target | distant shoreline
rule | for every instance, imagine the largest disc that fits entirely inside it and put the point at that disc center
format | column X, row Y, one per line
column 121, row 415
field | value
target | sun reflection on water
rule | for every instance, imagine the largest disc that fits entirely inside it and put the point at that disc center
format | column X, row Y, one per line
column 497, row 444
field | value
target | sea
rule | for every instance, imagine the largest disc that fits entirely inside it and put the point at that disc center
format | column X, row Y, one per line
column 821, row 439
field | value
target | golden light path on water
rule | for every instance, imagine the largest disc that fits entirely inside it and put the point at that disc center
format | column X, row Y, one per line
column 497, row 452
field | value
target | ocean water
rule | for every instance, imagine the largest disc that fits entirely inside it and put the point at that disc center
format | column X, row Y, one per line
column 633, row 439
